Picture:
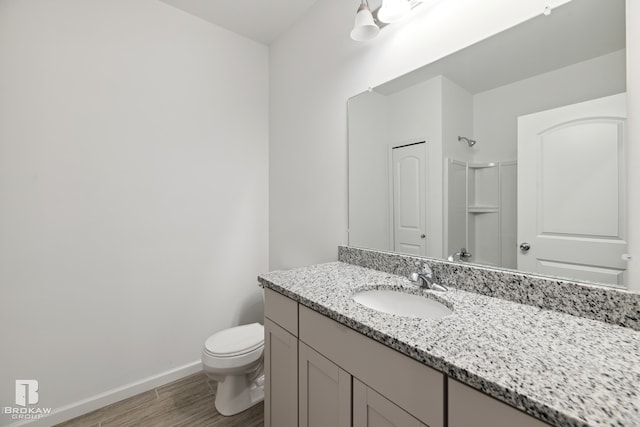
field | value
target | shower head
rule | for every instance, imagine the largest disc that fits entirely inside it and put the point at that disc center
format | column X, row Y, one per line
column 471, row 142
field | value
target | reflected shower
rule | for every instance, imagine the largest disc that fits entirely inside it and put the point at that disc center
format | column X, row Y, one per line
column 471, row 142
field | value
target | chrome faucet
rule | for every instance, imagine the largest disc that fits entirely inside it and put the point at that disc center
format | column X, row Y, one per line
column 426, row 278
column 458, row 256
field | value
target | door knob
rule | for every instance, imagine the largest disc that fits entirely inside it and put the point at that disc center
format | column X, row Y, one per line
column 524, row 246
column 423, row 236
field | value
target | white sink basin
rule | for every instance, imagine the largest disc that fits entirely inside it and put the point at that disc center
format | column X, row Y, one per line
column 402, row 304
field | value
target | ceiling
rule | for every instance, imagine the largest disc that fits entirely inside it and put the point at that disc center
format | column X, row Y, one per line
column 260, row 20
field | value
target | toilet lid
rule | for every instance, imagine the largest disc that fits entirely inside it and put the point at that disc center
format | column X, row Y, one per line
column 236, row 341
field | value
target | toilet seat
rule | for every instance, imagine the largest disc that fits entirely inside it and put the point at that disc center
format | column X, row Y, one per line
column 234, row 359
column 235, row 342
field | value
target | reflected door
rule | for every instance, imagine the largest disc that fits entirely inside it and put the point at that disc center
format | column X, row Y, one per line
column 409, row 189
column 572, row 191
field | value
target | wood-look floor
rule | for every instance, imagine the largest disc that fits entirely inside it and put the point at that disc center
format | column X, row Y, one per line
column 185, row 403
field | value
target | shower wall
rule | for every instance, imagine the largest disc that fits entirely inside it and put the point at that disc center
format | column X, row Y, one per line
column 482, row 211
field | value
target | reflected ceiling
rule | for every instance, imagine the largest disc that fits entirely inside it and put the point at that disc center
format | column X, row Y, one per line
column 563, row 44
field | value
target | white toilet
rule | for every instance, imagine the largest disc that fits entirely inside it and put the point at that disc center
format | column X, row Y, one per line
column 234, row 358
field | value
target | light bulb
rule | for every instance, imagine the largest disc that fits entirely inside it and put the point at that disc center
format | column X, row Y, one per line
column 393, row 10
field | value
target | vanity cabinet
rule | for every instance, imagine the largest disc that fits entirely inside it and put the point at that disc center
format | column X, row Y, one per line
column 319, row 372
column 280, row 361
column 469, row 407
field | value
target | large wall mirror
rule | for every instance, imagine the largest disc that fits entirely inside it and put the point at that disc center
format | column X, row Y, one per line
column 509, row 153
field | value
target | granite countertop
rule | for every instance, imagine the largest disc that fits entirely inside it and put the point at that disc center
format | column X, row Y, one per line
column 561, row 369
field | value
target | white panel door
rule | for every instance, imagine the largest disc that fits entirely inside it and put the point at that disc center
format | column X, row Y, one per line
column 572, row 191
column 409, row 198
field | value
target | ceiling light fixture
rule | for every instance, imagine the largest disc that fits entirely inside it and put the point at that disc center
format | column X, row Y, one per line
column 368, row 23
column 365, row 27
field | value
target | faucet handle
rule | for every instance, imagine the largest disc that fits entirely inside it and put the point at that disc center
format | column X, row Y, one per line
column 458, row 256
column 423, row 266
column 464, row 253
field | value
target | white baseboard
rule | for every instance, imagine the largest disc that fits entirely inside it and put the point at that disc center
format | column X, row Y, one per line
column 98, row 401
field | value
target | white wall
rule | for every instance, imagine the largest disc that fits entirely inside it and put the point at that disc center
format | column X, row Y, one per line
column 314, row 68
column 133, row 193
column 457, row 120
column 415, row 113
column 368, row 179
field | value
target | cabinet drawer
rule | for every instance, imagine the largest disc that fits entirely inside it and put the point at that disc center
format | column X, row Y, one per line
column 469, row 407
column 414, row 387
column 281, row 310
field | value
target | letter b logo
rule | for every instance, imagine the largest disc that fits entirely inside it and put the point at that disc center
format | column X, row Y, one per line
column 26, row 392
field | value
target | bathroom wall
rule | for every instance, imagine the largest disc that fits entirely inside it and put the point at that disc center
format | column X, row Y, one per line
column 315, row 67
column 457, row 120
column 369, row 201
column 133, row 194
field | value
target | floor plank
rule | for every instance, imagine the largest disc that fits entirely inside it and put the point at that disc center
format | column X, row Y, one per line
column 188, row 402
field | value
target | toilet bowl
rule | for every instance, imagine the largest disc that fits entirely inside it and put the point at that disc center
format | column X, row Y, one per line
column 234, row 358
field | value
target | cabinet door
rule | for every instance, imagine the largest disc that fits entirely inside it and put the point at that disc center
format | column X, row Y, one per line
column 414, row 387
column 370, row 409
column 325, row 391
column 281, row 376
column 469, row 407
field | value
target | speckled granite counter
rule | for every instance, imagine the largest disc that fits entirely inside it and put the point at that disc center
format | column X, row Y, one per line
column 562, row 369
